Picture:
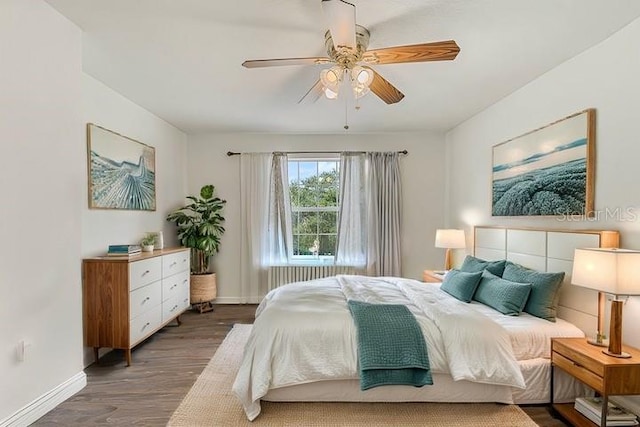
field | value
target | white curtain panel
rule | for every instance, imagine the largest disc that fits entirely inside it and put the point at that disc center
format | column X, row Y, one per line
column 255, row 178
column 265, row 220
column 351, row 248
column 369, row 219
column 280, row 234
column 384, row 214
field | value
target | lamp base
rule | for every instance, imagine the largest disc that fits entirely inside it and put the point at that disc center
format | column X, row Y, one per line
column 621, row 355
column 594, row 341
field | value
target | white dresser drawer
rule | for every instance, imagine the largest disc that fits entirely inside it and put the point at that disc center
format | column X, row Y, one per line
column 144, row 298
column 175, row 263
column 172, row 286
column 171, row 308
column 183, row 298
column 144, row 272
column 145, row 324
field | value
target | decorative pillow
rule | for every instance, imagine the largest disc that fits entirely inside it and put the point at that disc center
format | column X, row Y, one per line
column 545, row 290
column 472, row 264
column 503, row 295
column 460, row 284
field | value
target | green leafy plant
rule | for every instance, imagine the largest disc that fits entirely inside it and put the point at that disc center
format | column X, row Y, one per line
column 148, row 240
column 200, row 227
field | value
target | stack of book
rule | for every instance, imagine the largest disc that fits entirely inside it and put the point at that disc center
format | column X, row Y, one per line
column 124, row 250
column 591, row 407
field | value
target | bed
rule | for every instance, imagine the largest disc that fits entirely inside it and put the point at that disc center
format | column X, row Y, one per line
column 303, row 345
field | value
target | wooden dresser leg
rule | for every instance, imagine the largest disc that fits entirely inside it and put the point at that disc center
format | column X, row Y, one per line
column 127, row 354
column 96, row 355
column 178, row 321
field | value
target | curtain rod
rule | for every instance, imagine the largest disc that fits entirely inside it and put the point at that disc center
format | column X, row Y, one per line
column 232, row 153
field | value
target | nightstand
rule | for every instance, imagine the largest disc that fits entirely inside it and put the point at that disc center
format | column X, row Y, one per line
column 605, row 374
column 430, row 276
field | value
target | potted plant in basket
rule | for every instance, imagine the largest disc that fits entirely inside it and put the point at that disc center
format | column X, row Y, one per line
column 200, row 228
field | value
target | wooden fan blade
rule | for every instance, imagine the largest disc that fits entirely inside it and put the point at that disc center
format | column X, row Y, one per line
column 385, row 90
column 341, row 17
column 437, row 51
column 312, row 94
column 257, row 63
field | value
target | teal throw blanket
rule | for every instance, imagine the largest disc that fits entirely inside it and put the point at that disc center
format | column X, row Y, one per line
column 391, row 347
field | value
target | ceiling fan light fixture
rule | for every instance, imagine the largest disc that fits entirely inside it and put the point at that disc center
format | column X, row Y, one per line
column 331, row 77
column 359, row 90
column 330, row 94
column 362, row 75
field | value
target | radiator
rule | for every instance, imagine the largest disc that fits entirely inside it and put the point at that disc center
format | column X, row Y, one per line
column 283, row 274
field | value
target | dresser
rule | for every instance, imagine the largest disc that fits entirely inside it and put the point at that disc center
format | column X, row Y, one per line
column 127, row 299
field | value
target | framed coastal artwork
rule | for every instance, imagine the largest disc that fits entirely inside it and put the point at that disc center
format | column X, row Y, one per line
column 548, row 171
column 121, row 171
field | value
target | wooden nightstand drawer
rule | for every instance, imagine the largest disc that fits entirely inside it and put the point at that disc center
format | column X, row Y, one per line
column 578, row 371
column 580, row 354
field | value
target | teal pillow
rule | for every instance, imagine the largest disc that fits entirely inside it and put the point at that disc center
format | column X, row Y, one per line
column 503, row 295
column 472, row 264
column 460, row 284
column 545, row 289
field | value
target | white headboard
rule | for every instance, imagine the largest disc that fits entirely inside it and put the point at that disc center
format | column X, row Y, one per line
column 550, row 250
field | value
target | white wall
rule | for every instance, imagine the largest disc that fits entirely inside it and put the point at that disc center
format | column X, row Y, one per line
column 105, row 107
column 604, row 77
column 45, row 224
column 422, row 179
column 41, row 181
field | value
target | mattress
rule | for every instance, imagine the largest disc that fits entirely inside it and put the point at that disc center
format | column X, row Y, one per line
column 530, row 336
column 535, row 371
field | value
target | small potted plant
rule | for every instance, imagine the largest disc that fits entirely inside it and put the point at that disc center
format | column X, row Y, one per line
column 147, row 242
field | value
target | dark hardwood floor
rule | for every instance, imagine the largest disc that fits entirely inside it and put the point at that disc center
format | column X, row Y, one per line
column 163, row 370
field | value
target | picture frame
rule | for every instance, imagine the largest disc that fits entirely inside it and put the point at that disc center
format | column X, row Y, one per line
column 121, row 171
column 548, row 171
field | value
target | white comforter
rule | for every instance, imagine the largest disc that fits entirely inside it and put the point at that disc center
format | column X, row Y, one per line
column 304, row 333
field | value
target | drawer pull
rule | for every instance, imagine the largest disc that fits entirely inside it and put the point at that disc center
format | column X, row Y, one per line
column 184, row 281
column 145, row 326
column 145, row 300
column 173, row 264
column 173, row 286
column 146, row 272
column 174, row 307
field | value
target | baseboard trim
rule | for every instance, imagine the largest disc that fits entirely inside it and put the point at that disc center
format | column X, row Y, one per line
column 45, row 403
column 238, row 300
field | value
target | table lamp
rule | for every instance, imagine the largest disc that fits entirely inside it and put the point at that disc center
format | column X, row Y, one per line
column 612, row 271
column 449, row 239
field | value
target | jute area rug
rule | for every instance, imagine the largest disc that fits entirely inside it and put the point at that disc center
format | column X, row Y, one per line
column 210, row 402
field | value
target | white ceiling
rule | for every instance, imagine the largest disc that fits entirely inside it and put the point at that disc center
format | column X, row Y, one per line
column 181, row 59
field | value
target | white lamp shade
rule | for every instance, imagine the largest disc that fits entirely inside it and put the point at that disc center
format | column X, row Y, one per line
column 450, row 239
column 612, row 271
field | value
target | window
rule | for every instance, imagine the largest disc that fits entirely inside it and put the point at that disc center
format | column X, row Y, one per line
column 314, row 190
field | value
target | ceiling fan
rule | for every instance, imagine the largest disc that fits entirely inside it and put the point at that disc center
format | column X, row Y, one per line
column 346, row 45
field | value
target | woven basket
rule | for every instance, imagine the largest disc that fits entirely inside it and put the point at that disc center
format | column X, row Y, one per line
column 203, row 288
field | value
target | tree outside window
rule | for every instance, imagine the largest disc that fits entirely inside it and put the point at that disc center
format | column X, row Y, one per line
column 314, row 190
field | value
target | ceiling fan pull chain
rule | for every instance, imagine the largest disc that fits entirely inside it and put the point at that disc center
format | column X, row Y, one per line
column 346, row 113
